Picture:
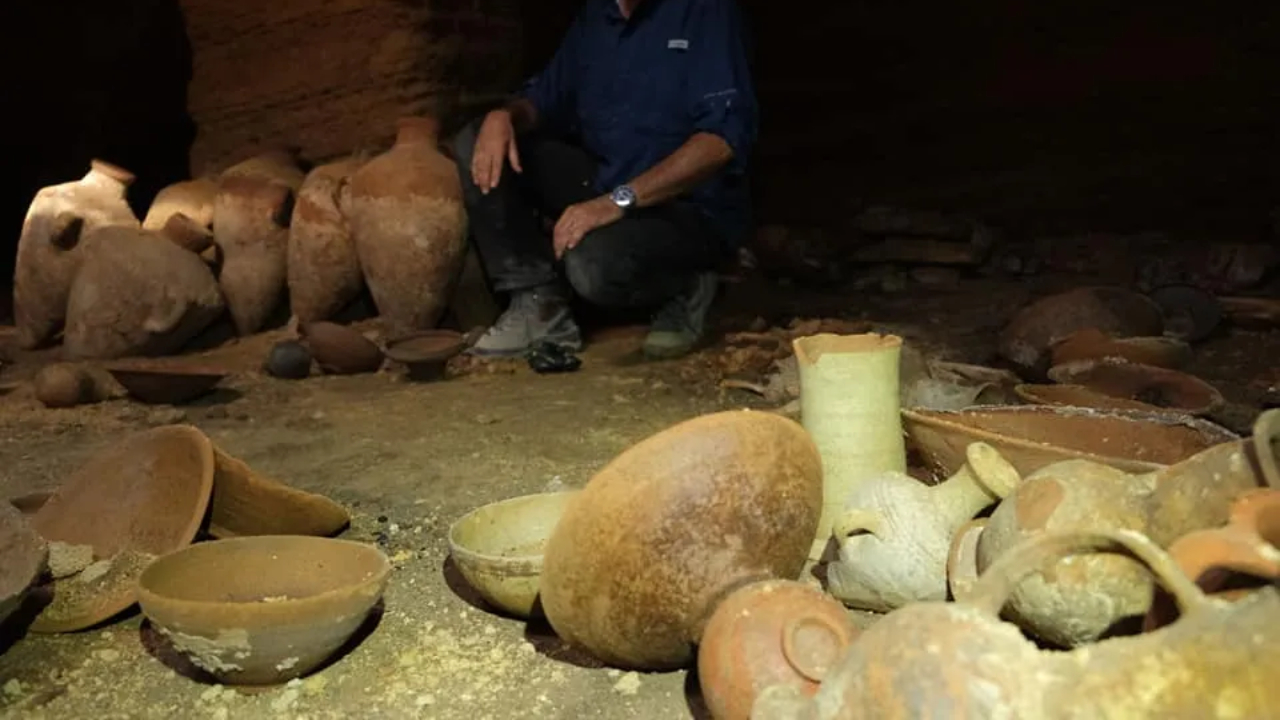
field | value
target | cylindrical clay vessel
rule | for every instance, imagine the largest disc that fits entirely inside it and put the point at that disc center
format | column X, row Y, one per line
column 409, row 225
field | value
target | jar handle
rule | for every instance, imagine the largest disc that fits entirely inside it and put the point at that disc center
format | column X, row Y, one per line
column 993, row 588
column 1266, row 443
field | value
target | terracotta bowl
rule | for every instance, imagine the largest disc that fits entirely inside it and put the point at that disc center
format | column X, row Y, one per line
column 427, row 353
column 1033, row 436
column 139, row 499
column 1077, row 396
column 498, row 548
column 263, row 610
column 1160, row 387
column 162, row 382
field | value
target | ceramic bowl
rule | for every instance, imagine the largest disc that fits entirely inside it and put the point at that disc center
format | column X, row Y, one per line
column 426, row 353
column 263, row 610
column 164, row 383
column 498, row 548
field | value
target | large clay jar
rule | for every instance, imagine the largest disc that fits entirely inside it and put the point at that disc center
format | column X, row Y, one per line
column 642, row 557
column 958, row 660
column 410, row 226
column 324, row 267
column 137, row 293
column 193, row 198
column 769, row 633
column 896, row 532
column 48, row 254
column 251, row 227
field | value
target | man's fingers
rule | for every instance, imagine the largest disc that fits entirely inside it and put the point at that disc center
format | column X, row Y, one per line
column 513, row 155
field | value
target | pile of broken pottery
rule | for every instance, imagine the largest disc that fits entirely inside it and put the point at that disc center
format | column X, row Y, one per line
column 124, row 527
column 1012, row 552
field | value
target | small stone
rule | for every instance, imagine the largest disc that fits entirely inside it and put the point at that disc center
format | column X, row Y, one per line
column 221, row 713
column 483, row 419
column 107, row 655
column 424, row 700
column 13, row 688
column 95, row 571
column 285, row 701
column 217, row 412
column 628, row 685
column 211, row 693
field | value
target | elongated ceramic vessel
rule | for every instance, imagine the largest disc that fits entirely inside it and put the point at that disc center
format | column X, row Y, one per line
column 849, row 404
column 409, row 225
column 324, row 266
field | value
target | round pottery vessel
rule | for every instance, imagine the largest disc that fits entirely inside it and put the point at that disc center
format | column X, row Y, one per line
column 1033, row 436
column 289, row 359
column 192, row 198
column 670, row 527
column 339, row 349
column 63, row 385
column 139, row 499
column 1027, row 339
column 165, row 381
column 409, row 224
column 1161, row 387
column 1190, row 312
column 263, row 610
column 769, row 633
column 427, row 353
column 499, row 548
column 23, row 557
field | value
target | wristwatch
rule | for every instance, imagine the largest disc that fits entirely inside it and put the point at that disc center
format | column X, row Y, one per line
column 624, row 197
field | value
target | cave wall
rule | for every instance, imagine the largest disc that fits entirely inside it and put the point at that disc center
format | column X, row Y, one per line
column 331, row 76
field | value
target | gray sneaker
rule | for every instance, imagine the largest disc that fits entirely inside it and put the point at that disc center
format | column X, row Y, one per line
column 679, row 325
column 532, row 316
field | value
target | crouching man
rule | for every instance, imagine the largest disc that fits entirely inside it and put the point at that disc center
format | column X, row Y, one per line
column 634, row 139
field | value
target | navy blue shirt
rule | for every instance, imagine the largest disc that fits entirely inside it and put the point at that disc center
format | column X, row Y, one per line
column 636, row 90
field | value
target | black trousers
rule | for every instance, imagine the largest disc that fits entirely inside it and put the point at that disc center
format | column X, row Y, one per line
column 640, row 261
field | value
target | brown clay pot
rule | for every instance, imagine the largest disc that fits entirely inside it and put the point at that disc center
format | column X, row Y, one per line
column 1230, row 561
column 1160, row 387
column 641, row 558
column 410, row 226
column 23, row 557
column 193, row 198
column 187, row 233
column 324, row 267
column 1094, row 344
column 263, row 610
column 246, row 502
column 768, row 633
column 49, row 248
column 340, row 349
column 139, row 499
column 1032, row 436
column 1027, row 339
column 137, row 293
column 251, row 228
column 958, row 660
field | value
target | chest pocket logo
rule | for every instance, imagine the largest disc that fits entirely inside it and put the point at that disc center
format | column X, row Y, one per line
column 678, row 44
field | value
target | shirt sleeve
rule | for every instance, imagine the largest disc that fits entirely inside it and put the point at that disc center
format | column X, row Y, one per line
column 722, row 98
column 552, row 90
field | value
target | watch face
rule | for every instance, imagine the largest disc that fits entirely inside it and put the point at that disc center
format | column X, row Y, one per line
column 624, row 196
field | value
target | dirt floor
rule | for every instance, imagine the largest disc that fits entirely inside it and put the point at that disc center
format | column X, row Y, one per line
column 410, row 458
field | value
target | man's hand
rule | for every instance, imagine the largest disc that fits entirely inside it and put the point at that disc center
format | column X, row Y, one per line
column 495, row 144
column 580, row 219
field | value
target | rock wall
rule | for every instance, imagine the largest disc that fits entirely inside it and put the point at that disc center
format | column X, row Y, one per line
column 330, row 76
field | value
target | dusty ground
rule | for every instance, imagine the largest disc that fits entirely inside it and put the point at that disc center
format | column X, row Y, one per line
column 408, row 459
